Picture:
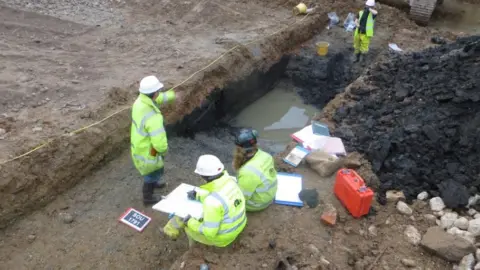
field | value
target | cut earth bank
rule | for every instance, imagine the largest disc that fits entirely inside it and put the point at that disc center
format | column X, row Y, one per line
column 36, row 241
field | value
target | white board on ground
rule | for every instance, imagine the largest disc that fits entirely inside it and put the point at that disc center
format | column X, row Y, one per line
column 288, row 187
column 178, row 204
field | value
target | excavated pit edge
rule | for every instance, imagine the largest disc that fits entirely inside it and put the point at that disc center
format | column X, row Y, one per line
column 31, row 182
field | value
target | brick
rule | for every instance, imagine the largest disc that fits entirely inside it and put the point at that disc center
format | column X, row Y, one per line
column 329, row 215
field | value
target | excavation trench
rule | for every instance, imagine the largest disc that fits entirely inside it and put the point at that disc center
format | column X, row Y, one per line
column 238, row 78
column 277, row 102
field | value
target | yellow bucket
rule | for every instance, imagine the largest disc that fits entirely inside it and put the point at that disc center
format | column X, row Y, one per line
column 300, row 9
column 322, row 48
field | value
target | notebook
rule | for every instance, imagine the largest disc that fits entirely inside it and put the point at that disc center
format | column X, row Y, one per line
column 178, row 204
column 320, row 129
column 296, row 156
column 288, row 187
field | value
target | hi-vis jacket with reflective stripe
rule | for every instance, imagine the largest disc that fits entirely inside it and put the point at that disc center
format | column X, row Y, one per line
column 147, row 132
column 224, row 216
column 258, row 181
column 369, row 26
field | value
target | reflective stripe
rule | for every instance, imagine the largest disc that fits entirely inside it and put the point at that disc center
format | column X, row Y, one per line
column 246, row 193
column 226, row 218
column 164, row 98
column 140, row 129
column 149, row 161
column 157, row 132
column 210, row 224
column 234, row 227
column 258, row 204
column 263, row 178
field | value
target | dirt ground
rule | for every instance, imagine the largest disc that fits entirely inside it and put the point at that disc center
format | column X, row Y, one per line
column 81, row 60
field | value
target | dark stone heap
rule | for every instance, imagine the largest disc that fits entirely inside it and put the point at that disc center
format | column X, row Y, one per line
column 320, row 79
column 418, row 122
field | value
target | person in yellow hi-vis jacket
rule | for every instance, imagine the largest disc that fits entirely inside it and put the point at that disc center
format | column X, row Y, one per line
column 256, row 173
column 364, row 31
column 148, row 140
column 224, row 216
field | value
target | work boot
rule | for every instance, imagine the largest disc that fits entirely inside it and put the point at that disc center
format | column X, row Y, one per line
column 148, row 197
column 361, row 58
column 357, row 57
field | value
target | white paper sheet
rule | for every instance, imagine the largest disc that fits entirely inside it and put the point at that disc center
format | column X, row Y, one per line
column 331, row 145
column 177, row 202
column 288, row 188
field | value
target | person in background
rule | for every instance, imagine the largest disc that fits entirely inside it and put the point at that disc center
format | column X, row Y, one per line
column 364, row 31
column 224, row 216
column 256, row 173
column 148, row 139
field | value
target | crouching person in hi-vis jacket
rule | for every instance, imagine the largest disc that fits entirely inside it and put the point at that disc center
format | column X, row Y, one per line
column 224, row 216
column 148, row 139
column 256, row 174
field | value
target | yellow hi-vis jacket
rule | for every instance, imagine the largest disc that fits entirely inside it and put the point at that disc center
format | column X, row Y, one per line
column 258, row 181
column 148, row 139
column 224, row 216
column 369, row 25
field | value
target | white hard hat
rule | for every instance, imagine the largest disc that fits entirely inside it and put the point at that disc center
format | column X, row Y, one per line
column 209, row 165
column 150, row 84
column 370, row 3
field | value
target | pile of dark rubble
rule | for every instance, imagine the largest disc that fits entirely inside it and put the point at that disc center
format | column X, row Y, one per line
column 320, row 79
column 417, row 119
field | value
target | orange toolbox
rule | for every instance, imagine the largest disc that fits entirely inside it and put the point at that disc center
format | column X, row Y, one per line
column 351, row 190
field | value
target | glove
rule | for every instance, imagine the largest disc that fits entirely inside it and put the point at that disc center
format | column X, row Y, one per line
column 186, row 219
column 192, row 195
column 153, row 152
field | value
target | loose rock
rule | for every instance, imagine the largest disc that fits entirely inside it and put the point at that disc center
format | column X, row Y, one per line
column 461, row 223
column 329, row 215
column 436, row 204
column 313, row 249
column 467, row 262
column 324, row 262
column 395, row 195
column 472, row 212
column 452, row 248
column 473, row 200
column 372, row 230
column 412, row 235
column 404, row 208
column 439, row 213
column 430, row 218
column 31, row 238
column 409, row 263
column 2, row 131
column 448, row 219
column 476, row 216
column 477, row 266
column 474, row 227
column 66, row 217
column 422, row 196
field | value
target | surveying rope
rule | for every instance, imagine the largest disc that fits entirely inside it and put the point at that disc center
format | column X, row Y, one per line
column 115, row 113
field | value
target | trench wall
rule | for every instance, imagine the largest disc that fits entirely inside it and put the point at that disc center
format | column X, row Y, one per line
column 242, row 76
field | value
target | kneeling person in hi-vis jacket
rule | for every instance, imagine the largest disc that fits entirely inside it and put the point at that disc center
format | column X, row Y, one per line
column 256, row 173
column 224, row 216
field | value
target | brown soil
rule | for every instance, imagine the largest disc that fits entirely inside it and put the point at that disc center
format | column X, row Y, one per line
column 61, row 75
column 80, row 73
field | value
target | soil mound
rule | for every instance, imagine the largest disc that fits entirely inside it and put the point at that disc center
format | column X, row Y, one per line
column 417, row 120
column 321, row 78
